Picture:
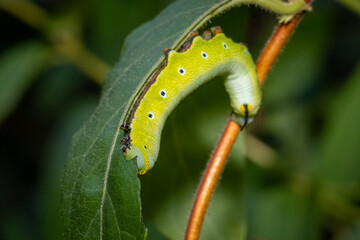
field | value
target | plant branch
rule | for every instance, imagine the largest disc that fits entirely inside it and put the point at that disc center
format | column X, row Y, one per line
column 217, row 161
column 274, row 46
column 65, row 42
column 210, row 178
column 26, row 11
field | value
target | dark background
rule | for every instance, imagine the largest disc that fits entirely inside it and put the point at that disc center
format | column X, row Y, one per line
column 295, row 174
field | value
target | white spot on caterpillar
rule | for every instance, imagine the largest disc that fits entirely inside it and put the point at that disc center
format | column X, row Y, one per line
column 182, row 71
column 163, row 93
column 245, row 52
column 151, row 115
column 225, row 45
column 204, row 55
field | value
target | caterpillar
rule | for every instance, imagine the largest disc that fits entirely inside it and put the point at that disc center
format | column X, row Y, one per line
column 200, row 59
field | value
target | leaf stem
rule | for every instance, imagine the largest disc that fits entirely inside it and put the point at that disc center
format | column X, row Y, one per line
column 217, row 161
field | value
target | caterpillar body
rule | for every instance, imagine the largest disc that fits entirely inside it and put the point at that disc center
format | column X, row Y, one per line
column 200, row 59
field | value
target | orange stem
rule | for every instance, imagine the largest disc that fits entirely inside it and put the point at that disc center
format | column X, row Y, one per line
column 274, row 46
column 217, row 161
column 209, row 179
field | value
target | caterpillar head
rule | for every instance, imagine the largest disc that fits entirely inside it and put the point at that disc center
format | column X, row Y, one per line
column 143, row 161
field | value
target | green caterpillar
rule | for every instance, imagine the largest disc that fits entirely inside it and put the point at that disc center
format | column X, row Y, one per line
column 200, row 59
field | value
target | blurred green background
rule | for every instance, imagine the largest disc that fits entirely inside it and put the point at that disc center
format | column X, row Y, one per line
column 294, row 174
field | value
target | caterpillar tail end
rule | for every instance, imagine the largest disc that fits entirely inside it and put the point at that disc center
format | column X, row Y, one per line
column 244, row 116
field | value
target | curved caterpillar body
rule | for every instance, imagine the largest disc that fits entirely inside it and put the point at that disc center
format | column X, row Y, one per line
column 200, row 59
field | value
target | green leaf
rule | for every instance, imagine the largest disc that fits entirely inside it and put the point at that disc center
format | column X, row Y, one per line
column 278, row 213
column 18, row 66
column 339, row 159
column 101, row 191
column 353, row 5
